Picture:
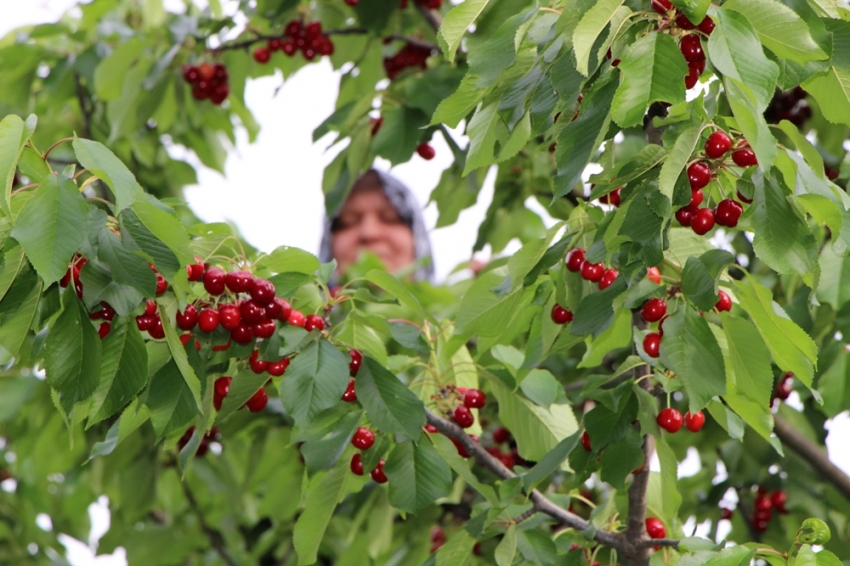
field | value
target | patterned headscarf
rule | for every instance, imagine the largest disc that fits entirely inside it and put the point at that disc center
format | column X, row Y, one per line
column 404, row 201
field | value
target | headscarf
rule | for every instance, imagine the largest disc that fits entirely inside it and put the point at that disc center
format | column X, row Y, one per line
column 404, row 201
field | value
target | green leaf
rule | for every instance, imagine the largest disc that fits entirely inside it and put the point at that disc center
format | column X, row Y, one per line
column 314, row 381
column 748, row 112
column 694, row 9
column 653, row 70
column 390, row 405
column 95, row 157
column 15, row 328
column 123, row 371
column 449, row 452
column 506, row 550
column 588, row 29
column 482, row 137
column 734, row 556
column 400, row 134
column 676, row 160
column 483, row 311
column 327, row 437
column 131, row 419
column 454, row 108
column 395, row 288
column 244, row 385
column 536, row 430
column 595, row 313
column 783, row 240
column 110, row 72
column 699, row 278
column 536, row 547
column 170, row 401
column 831, row 90
column 500, row 51
column 791, row 348
column 606, row 425
column 834, row 386
column 178, row 353
column 324, row 491
column 167, row 229
column 779, row 28
column 14, row 135
column 355, row 333
column 72, row 354
column 457, row 551
column 689, row 348
column 125, row 268
column 417, row 475
column 621, row 458
column 286, row 259
column 672, row 497
column 541, row 387
column 51, row 226
column 455, row 24
column 735, row 50
column 618, row 335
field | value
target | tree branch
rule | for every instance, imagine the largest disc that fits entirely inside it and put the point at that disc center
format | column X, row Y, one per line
column 540, row 501
column 85, row 109
column 433, row 19
column 215, row 538
column 813, row 454
column 260, row 38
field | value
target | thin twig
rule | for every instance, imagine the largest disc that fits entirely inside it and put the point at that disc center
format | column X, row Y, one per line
column 814, row 455
column 84, row 107
column 432, row 17
column 215, row 538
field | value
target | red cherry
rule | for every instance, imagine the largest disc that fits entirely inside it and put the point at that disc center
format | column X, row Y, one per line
column 760, row 526
column 274, row 44
column 157, row 331
column 103, row 329
column 685, row 215
column 279, row 309
column 655, row 528
column 221, row 347
column 560, row 315
column 314, row 28
column 257, row 365
column 725, row 513
column 742, row 198
column 778, row 498
column 190, row 74
column 461, row 449
column 699, row 174
column 145, row 322
column 314, row 321
column 653, row 310
column 694, row 422
column 363, row 439
column 662, row 6
column 206, row 71
column 161, row 284
column 763, row 503
column 208, row 320
column 378, row 473
column 501, row 435
column 612, row 198
column 261, row 55
column 724, row 302
column 278, row 368
column 106, row 311
column 258, row 401
column 222, row 386
column 702, row 221
column 717, row 144
column 706, row 26
column 184, row 339
column 356, row 465
column 744, row 157
column 354, row 364
column 430, row 429
column 264, row 329
column 239, row 281
column 694, row 71
column 691, row 48
column 463, row 416
column 376, row 124
column 251, row 313
column 289, row 48
column 214, row 281
column 575, row 259
column 728, row 212
column 350, row 395
column 585, row 441
column 150, row 307
column 592, row 271
column 696, row 198
column 425, row 151
column 608, row 278
column 683, row 22
column 296, row 318
column 229, row 316
column 187, row 319
column 654, row 275
column 670, row 419
column 242, row 334
column 195, row 271
column 651, row 344
column 293, row 28
column 262, row 291
column 474, row 399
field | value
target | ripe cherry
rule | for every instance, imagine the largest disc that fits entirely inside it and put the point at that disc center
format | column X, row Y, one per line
column 702, row 221
column 187, row 319
column 354, row 364
column 651, row 344
column 161, row 284
column 222, row 386
column 157, row 331
column 608, row 278
column 425, row 151
column 257, row 365
column 560, row 315
column 742, row 198
column 314, row 321
column 662, row 6
column 242, row 334
column 683, row 22
column 612, row 198
column 699, row 174
column 278, row 368
column 363, row 439
column 296, row 318
column 264, row 329
column 694, row 422
column 592, row 271
column 585, row 441
column 685, row 215
column 150, row 307
column 103, row 329
column 463, row 416
column 251, row 313
column 356, row 465
column 239, row 281
column 258, row 401
column 261, row 55
column 744, row 157
column 728, row 212
column 724, row 302
column 195, row 271
column 670, row 419
column 474, row 399
column 501, row 435
column 208, row 320
column 653, row 310
column 262, row 291
column 778, row 498
column 575, row 259
column 145, row 322
column 691, row 48
column 214, row 281
column 717, row 144
column 350, row 395
column 378, row 473
column 654, row 275
column 184, row 339
column 696, row 198
column 655, row 528
column 229, row 316
column 706, row 26
column 694, row 71
column 293, row 28
column 725, row 513
column 280, row 309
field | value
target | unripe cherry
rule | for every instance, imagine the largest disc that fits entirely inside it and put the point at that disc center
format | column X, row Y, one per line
column 575, row 259
column 560, row 315
column 694, row 422
column 463, row 416
column 651, row 344
column 363, row 439
column 653, row 310
column 670, row 419
column 717, row 144
column 474, row 399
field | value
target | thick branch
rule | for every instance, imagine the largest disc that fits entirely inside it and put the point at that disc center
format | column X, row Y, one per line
column 433, row 19
column 215, row 538
column 812, row 454
column 540, row 501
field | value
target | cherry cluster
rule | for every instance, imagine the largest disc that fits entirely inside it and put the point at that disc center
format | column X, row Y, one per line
column 594, row 272
column 509, row 458
column 764, row 505
column 408, row 56
column 308, row 39
column 728, row 211
column 350, row 394
column 363, row 439
column 671, row 420
column 655, row 310
column 789, row 105
column 208, row 81
column 426, row 151
column 471, row 399
column 72, row 274
column 204, row 446
column 612, row 198
column 690, row 44
column 461, row 450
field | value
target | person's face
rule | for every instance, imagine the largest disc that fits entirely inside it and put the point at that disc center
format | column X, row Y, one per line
column 369, row 222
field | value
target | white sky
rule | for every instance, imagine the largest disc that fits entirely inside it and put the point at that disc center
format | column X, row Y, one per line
column 271, row 192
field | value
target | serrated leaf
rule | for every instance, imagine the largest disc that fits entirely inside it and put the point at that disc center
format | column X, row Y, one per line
column 499, row 52
column 178, row 354
column 506, row 550
column 95, row 157
column 123, row 371
column 170, row 401
column 327, row 437
column 676, row 160
column 14, row 134
column 287, row 259
column 457, row 551
column 482, row 311
column 780, row 29
column 320, row 500
column 314, row 381
column 455, row 24
column 455, row 108
column 482, row 137
column 588, row 29
column 15, row 328
column 417, row 475
column 748, row 112
column 395, row 288
column 359, row 336
column 595, row 313
column 126, row 268
column 390, row 405
column 831, row 89
column 699, row 278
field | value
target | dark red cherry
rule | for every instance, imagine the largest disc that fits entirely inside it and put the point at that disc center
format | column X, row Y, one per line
column 575, row 259
column 262, row 291
column 702, row 221
column 699, row 174
column 560, row 315
column 728, row 212
column 187, row 319
column 239, row 281
column 214, row 281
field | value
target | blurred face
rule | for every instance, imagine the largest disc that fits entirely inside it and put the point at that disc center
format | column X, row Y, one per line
column 369, row 222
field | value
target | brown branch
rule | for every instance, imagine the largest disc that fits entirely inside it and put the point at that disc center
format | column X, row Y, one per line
column 432, row 17
column 215, row 538
column 812, row 454
column 540, row 501
column 85, row 109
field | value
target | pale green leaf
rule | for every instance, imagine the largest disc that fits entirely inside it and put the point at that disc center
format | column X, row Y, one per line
column 588, row 29
column 455, row 24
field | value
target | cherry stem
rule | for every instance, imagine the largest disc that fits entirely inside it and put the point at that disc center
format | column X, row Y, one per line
column 24, row 188
column 49, row 149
